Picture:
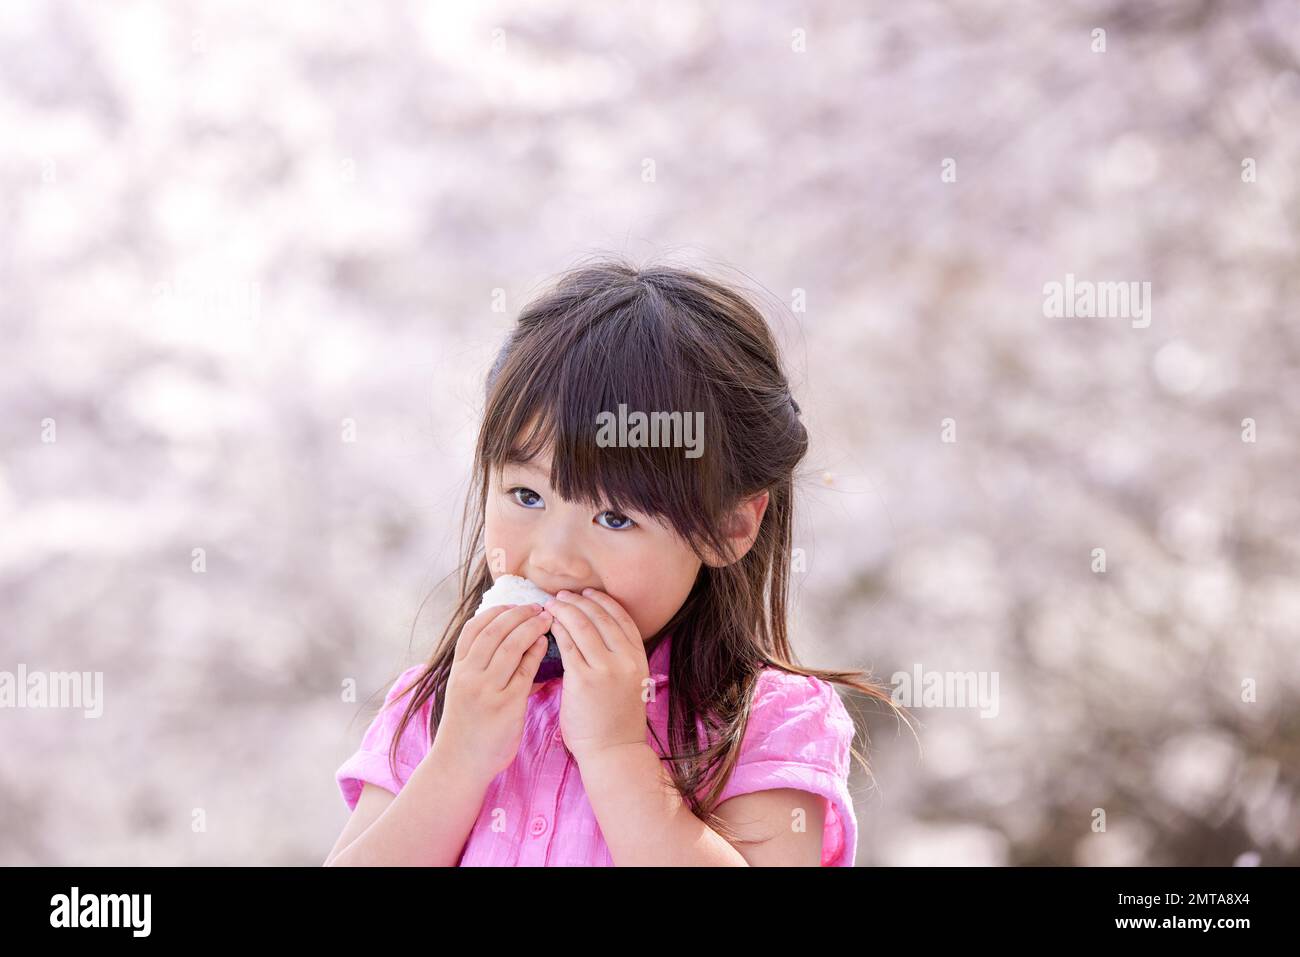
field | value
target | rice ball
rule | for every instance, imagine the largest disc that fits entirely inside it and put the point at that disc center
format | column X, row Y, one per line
column 517, row 590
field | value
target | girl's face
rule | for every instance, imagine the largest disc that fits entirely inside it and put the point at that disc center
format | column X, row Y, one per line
column 530, row 531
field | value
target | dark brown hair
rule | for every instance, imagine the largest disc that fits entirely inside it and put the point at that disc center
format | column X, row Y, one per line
column 657, row 338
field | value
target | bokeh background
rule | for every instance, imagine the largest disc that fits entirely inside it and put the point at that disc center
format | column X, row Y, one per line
column 256, row 258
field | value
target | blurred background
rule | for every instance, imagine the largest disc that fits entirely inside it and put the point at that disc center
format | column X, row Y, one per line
column 257, row 257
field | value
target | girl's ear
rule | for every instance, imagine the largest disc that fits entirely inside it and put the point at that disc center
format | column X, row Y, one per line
column 742, row 530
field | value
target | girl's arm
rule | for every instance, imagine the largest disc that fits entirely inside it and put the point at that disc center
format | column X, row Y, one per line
column 426, row 823
column 647, row 824
column 643, row 817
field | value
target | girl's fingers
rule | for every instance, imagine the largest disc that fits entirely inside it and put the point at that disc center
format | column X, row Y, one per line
column 571, row 655
column 476, row 625
column 609, row 630
column 620, row 616
column 584, row 632
column 506, row 659
column 527, row 669
column 489, row 639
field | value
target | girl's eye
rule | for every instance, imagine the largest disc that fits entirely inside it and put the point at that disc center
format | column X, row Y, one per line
column 526, row 491
column 530, row 499
column 628, row 523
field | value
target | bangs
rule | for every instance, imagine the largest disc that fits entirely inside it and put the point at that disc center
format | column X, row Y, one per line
column 577, row 386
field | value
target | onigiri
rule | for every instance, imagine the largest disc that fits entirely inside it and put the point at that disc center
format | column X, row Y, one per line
column 517, row 590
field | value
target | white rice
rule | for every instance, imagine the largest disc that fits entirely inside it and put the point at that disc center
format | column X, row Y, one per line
column 513, row 590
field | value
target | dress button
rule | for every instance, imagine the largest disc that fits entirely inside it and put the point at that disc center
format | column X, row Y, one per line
column 539, row 826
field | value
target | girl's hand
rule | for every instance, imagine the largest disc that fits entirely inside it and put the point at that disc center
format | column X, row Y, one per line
column 605, row 669
column 497, row 654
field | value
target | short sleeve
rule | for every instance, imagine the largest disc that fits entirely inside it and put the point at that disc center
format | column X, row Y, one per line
column 370, row 762
column 799, row 736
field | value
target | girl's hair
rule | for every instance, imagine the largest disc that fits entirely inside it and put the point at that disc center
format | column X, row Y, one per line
column 656, row 339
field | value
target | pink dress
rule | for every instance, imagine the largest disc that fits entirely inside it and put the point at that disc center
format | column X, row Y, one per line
column 798, row 737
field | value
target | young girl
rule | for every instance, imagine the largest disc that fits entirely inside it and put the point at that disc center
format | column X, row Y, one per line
column 668, row 552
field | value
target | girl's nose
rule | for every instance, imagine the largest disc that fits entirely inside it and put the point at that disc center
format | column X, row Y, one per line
column 557, row 565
